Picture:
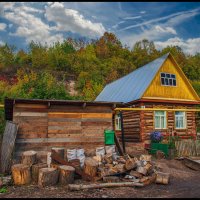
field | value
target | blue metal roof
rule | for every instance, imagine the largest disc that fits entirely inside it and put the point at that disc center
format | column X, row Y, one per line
column 132, row 86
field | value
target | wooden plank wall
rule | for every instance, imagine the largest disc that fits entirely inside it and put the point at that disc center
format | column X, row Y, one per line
column 131, row 120
column 41, row 128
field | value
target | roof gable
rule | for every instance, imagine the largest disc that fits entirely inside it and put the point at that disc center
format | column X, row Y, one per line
column 133, row 85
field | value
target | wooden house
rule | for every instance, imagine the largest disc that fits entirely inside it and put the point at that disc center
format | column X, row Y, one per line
column 163, row 95
column 44, row 124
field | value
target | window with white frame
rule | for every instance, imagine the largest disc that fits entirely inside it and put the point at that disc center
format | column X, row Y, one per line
column 180, row 120
column 117, row 122
column 160, row 119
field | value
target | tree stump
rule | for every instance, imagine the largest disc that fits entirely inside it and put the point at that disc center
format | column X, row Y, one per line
column 162, row 178
column 47, row 177
column 35, row 170
column 21, row 174
column 66, row 174
column 29, row 158
column 90, row 167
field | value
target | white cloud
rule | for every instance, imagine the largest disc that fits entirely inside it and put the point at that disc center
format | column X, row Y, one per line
column 72, row 20
column 190, row 46
column 165, row 29
column 143, row 12
column 30, row 26
column 2, row 26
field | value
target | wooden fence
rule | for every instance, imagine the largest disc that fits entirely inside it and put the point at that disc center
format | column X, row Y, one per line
column 186, row 148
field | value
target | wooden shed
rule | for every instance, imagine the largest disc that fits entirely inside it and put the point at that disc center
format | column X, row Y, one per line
column 44, row 124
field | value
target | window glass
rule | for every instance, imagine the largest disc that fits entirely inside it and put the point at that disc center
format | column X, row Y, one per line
column 168, row 79
column 160, row 119
column 180, row 120
column 117, row 122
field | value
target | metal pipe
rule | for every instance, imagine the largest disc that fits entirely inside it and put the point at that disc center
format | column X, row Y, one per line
column 122, row 131
column 153, row 109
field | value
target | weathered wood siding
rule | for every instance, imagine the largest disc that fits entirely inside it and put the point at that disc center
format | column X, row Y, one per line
column 41, row 128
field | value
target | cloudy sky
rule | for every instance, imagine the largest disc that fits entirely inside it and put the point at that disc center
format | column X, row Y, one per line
column 165, row 23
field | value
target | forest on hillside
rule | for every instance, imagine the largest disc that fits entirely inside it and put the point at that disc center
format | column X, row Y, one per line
column 41, row 71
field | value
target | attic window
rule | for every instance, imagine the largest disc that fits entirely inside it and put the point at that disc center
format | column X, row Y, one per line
column 168, row 79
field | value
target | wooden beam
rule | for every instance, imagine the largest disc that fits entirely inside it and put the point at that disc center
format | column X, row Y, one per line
column 152, row 109
column 122, row 131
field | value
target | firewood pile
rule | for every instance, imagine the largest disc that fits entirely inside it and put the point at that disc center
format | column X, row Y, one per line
column 106, row 169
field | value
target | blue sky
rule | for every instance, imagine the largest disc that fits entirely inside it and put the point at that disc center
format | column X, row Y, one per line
column 165, row 23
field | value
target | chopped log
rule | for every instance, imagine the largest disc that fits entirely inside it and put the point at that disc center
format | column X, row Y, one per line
column 162, row 178
column 144, row 179
column 56, row 166
column 121, row 160
column 148, row 167
column 59, row 151
column 136, row 174
column 35, row 170
column 90, row 167
column 119, row 168
column 66, row 174
column 57, row 158
column 151, row 179
column 142, row 170
column 21, row 174
column 111, row 179
column 74, row 187
column 29, row 158
column 47, row 177
column 146, row 158
column 108, row 158
column 130, row 164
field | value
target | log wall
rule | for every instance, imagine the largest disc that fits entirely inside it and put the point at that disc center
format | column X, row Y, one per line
column 42, row 127
column 148, row 121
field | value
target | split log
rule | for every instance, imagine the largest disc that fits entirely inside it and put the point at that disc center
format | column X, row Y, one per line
column 90, row 167
column 162, row 178
column 111, row 179
column 136, row 174
column 66, row 174
column 119, row 168
column 47, row 177
column 29, row 158
column 35, row 170
column 146, row 158
column 148, row 167
column 151, row 179
column 104, row 185
column 108, row 158
column 59, row 151
column 130, row 164
column 142, row 170
column 21, row 174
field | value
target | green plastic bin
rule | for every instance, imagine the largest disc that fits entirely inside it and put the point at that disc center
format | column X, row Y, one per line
column 109, row 137
column 159, row 146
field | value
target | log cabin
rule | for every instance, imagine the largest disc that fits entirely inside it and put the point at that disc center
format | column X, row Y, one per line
column 164, row 91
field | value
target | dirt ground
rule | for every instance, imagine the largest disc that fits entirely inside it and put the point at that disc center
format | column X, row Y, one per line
column 184, row 183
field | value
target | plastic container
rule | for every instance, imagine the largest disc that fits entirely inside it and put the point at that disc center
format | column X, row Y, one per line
column 159, row 146
column 109, row 137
